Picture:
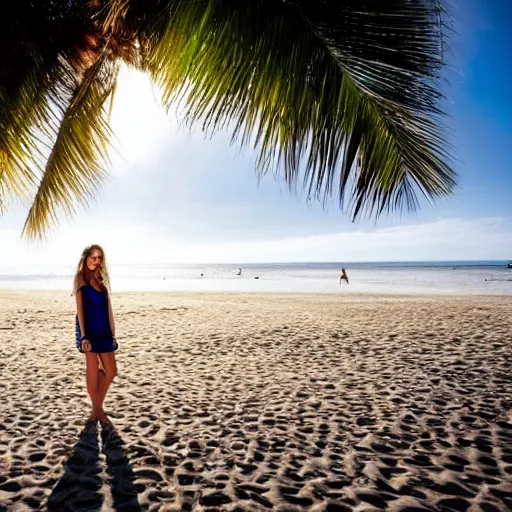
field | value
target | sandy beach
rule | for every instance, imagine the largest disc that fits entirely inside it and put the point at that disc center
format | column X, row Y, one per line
column 246, row 402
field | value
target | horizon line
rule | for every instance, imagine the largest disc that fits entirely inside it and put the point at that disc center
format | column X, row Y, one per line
column 297, row 262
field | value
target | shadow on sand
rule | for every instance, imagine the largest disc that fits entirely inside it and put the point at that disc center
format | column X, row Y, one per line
column 124, row 492
column 79, row 487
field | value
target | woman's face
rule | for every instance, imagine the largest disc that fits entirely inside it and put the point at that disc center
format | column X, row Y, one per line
column 94, row 260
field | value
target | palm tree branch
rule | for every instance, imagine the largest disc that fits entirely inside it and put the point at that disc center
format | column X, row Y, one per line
column 35, row 37
column 75, row 167
column 20, row 117
column 341, row 93
column 317, row 90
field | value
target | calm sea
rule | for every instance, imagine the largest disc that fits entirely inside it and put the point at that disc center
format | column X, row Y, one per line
column 441, row 277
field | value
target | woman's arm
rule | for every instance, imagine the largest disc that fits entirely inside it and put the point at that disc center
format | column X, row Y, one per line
column 85, row 344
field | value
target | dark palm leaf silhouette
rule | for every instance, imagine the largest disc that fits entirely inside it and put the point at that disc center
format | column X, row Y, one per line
column 341, row 96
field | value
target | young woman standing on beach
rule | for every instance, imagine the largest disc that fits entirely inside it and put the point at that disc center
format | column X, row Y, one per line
column 95, row 328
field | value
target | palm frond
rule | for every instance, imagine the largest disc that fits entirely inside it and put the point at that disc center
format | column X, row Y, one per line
column 76, row 165
column 330, row 89
column 341, row 96
column 19, row 116
column 54, row 81
column 35, row 39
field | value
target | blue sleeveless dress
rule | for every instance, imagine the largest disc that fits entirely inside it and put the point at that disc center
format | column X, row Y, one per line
column 96, row 319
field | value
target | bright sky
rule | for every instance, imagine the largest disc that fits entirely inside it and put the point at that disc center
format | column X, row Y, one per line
column 178, row 197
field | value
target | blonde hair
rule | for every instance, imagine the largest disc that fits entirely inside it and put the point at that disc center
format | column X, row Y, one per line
column 82, row 272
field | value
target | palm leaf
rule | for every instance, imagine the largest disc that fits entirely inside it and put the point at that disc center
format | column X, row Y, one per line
column 341, row 96
column 44, row 45
column 33, row 38
column 77, row 162
column 18, row 140
column 345, row 90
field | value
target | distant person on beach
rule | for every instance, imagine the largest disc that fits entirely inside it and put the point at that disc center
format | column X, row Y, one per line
column 95, row 328
column 343, row 276
column 239, row 272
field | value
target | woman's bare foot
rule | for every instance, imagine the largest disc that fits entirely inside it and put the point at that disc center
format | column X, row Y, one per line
column 105, row 421
column 100, row 414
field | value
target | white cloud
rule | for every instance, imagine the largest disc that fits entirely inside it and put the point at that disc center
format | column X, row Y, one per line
column 449, row 239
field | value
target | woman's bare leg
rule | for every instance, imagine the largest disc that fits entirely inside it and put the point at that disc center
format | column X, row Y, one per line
column 92, row 364
column 108, row 361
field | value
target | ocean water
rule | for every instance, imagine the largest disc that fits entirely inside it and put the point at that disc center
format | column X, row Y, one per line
column 450, row 277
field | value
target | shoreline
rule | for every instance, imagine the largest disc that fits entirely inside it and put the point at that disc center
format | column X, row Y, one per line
column 299, row 294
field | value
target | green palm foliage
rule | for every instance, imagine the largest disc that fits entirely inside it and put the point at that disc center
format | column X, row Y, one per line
column 341, row 96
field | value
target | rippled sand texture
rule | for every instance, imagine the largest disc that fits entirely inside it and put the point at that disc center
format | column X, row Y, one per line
column 252, row 402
